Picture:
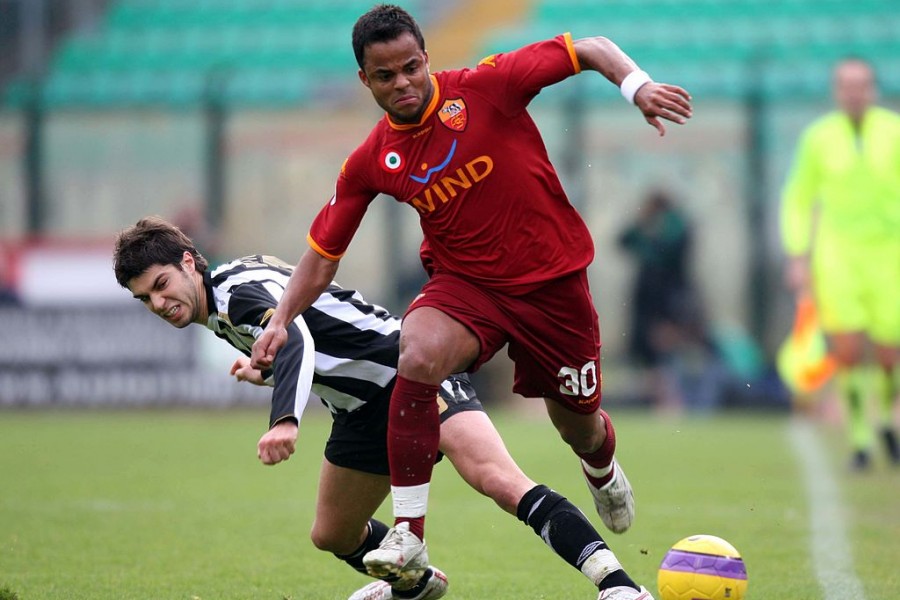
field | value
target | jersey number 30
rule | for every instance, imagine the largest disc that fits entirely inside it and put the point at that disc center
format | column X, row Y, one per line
column 578, row 383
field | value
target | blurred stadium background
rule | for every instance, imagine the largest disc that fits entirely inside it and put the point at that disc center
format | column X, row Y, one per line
column 232, row 118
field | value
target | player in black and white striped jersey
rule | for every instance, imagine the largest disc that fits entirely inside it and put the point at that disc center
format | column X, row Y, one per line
column 344, row 351
column 346, row 347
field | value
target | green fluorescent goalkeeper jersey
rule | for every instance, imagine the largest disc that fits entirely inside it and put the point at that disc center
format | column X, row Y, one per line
column 854, row 178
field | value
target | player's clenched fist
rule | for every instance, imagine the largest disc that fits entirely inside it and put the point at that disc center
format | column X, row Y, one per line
column 267, row 346
column 278, row 443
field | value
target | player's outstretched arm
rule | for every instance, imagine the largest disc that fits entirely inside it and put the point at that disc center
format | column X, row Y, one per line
column 311, row 276
column 655, row 100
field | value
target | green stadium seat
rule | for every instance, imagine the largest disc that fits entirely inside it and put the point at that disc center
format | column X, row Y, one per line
column 164, row 53
column 257, row 87
column 711, row 45
column 161, row 51
column 106, row 90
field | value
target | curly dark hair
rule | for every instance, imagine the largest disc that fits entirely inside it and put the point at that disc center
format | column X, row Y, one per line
column 151, row 241
column 385, row 22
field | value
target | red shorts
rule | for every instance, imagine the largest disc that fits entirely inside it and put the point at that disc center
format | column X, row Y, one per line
column 553, row 334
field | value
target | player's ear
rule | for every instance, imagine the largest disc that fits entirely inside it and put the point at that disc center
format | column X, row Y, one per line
column 363, row 78
column 187, row 262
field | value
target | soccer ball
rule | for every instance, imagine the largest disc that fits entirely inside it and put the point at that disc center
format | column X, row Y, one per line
column 702, row 567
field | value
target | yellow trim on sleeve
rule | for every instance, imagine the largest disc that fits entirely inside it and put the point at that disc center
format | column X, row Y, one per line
column 570, row 44
column 283, row 418
column 266, row 316
column 312, row 244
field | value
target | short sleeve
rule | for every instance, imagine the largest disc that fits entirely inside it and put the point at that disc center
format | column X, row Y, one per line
column 514, row 78
column 334, row 227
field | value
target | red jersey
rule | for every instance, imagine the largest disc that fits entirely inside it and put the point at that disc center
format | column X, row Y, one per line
column 490, row 204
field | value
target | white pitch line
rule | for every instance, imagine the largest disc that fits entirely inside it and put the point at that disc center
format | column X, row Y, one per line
column 830, row 547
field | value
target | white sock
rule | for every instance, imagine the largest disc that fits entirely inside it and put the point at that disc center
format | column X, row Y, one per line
column 600, row 564
column 599, row 473
column 410, row 501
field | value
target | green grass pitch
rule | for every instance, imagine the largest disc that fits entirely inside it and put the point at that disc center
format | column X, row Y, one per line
column 173, row 504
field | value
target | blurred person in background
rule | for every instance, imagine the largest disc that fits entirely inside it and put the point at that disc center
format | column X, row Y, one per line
column 344, row 351
column 505, row 250
column 840, row 224
column 669, row 335
column 9, row 296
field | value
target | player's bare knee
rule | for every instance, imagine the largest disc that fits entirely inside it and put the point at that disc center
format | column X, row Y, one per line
column 849, row 350
column 420, row 363
column 887, row 357
column 849, row 358
column 331, row 540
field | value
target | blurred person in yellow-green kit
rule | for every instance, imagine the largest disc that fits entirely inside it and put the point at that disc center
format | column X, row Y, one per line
column 840, row 225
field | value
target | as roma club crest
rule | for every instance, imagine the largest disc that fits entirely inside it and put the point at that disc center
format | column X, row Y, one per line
column 453, row 114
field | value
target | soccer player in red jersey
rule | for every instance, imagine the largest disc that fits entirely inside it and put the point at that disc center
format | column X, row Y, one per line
column 505, row 251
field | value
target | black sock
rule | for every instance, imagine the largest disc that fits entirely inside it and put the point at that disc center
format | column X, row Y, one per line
column 566, row 530
column 616, row 579
column 377, row 531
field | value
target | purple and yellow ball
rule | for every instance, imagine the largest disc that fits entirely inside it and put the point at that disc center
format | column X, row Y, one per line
column 702, row 567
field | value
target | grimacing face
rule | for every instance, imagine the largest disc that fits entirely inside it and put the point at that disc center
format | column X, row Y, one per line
column 396, row 72
column 854, row 87
column 170, row 292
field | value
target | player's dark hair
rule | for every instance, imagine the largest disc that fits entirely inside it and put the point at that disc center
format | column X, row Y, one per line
column 151, row 241
column 385, row 22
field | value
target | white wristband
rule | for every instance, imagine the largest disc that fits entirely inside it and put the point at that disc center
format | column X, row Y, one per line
column 632, row 83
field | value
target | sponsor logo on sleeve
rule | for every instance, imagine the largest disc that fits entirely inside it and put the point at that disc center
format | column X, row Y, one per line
column 489, row 61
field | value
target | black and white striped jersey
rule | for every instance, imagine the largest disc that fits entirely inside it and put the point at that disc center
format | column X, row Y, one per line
column 342, row 349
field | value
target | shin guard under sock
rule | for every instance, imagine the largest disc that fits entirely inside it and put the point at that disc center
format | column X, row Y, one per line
column 413, row 438
column 570, row 535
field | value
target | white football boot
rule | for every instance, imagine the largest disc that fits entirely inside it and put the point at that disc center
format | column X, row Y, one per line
column 382, row 590
column 623, row 592
column 402, row 554
column 614, row 501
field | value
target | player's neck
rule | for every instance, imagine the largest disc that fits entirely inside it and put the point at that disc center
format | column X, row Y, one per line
column 202, row 303
column 428, row 97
